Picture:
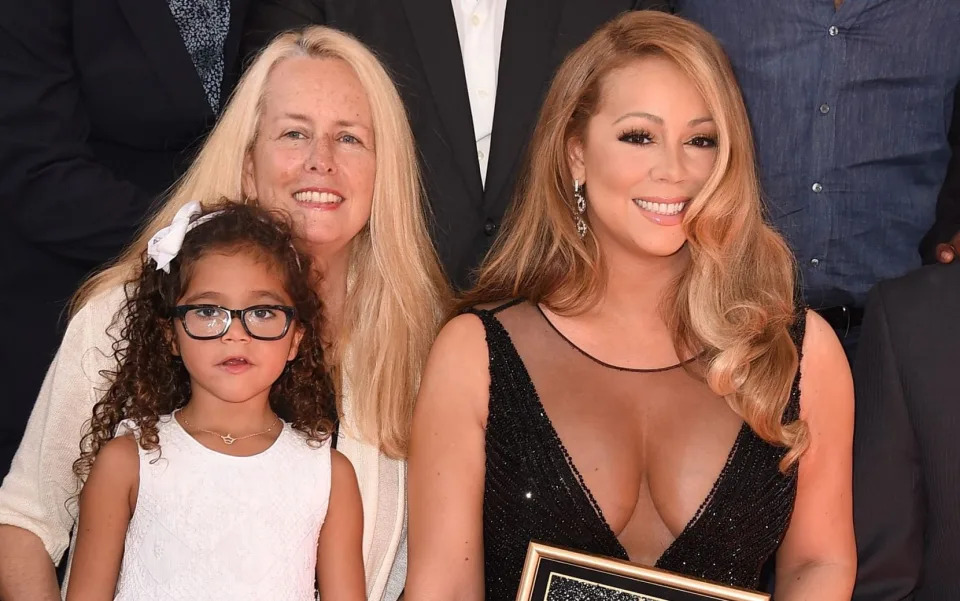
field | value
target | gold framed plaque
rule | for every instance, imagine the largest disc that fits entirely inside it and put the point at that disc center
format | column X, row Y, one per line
column 558, row 574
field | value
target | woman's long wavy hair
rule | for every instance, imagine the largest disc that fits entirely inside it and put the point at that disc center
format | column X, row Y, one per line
column 734, row 304
column 398, row 294
column 149, row 382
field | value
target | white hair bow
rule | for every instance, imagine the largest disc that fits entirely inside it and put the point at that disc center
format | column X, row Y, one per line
column 166, row 243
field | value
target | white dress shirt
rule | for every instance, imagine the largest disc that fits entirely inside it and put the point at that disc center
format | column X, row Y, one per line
column 480, row 28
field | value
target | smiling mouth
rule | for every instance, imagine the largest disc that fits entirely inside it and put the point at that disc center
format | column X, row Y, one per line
column 317, row 198
column 661, row 208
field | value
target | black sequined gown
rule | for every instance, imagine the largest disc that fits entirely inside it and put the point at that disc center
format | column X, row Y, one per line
column 533, row 490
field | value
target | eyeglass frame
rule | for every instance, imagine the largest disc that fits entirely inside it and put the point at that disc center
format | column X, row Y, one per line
column 180, row 311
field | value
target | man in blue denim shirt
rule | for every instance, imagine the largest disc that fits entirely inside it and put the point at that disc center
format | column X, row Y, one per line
column 851, row 104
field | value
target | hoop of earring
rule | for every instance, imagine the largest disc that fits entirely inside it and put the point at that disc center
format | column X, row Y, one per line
column 581, row 207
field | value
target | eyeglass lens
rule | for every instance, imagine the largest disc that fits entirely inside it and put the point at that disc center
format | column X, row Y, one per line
column 264, row 322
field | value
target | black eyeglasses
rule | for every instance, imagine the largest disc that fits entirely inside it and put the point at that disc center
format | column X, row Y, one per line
column 208, row 322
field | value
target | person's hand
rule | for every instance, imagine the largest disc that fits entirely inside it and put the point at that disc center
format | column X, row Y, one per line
column 947, row 252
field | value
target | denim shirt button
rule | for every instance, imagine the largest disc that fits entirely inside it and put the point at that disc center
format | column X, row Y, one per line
column 817, row 187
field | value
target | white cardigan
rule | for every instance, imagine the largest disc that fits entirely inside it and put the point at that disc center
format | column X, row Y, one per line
column 37, row 493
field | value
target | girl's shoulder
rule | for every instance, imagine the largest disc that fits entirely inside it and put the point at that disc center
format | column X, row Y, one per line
column 343, row 478
column 119, row 456
column 341, row 467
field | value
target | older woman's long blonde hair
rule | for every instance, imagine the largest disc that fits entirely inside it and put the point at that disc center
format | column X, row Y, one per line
column 734, row 304
column 398, row 293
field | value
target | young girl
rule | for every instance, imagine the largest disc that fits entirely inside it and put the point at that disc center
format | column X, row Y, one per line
column 209, row 472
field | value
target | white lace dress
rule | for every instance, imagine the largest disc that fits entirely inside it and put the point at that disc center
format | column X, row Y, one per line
column 210, row 526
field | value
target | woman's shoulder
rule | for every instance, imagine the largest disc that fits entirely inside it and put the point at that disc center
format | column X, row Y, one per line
column 107, row 299
column 98, row 311
column 826, row 383
column 817, row 336
column 87, row 346
column 463, row 337
column 458, row 365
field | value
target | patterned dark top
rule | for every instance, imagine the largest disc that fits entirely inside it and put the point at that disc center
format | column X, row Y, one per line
column 533, row 490
column 204, row 25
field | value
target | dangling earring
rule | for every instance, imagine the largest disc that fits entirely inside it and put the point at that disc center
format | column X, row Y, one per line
column 581, row 201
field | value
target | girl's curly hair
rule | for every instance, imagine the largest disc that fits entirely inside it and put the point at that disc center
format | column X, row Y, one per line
column 149, row 381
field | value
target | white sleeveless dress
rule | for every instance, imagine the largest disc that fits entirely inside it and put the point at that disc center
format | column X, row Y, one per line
column 210, row 526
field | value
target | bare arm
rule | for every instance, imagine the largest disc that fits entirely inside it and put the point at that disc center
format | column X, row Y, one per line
column 340, row 548
column 446, row 468
column 26, row 571
column 106, row 506
column 817, row 560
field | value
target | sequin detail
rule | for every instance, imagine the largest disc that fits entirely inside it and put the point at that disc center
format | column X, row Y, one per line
column 568, row 589
column 533, row 490
column 204, row 25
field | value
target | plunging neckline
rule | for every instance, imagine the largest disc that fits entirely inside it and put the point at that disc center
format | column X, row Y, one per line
column 588, row 494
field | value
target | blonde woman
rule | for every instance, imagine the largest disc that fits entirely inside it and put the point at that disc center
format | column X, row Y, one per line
column 315, row 128
column 632, row 378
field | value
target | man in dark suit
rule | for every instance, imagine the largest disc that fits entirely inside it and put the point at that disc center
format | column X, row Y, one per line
column 471, row 138
column 906, row 484
column 906, row 454
column 102, row 103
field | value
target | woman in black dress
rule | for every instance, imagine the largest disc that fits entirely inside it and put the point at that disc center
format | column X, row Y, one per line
column 626, row 379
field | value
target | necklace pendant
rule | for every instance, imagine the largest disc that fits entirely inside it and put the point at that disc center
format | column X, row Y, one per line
column 228, row 439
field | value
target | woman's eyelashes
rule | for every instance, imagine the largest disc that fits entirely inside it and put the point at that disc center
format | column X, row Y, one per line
column 642, row 137
column 703, row 141
column 294, row 134
column 299, row 136
column 635, row 136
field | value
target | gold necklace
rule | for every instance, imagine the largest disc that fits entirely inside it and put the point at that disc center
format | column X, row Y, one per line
column 227, row 438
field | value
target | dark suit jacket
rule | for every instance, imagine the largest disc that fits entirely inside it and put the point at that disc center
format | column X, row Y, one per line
column 100, row 110
column 417, row 40
column 906, row 449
